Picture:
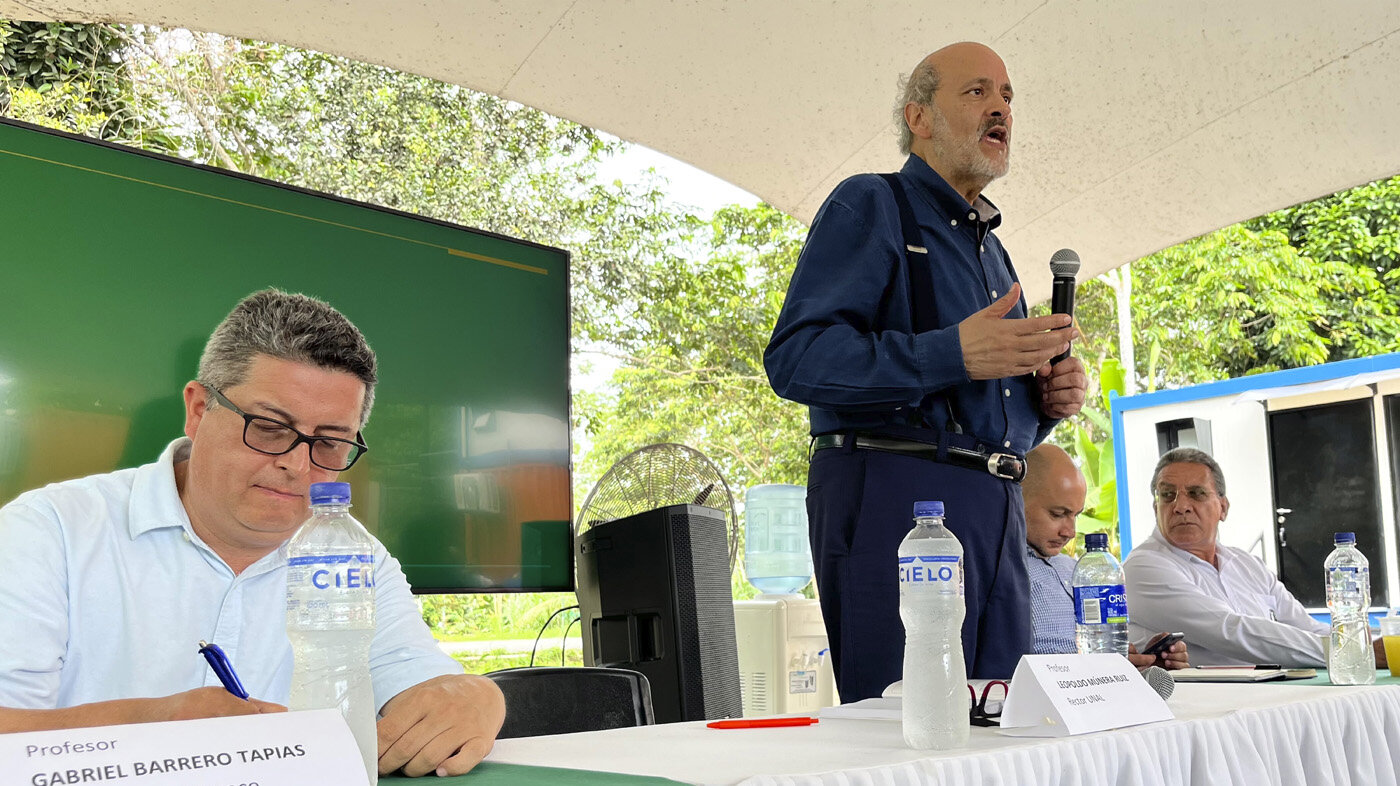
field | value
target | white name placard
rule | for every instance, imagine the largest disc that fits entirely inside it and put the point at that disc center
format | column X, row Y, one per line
column 275, row 749
column 1060, row 695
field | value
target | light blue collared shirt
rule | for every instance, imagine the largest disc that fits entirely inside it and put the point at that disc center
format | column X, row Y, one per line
column 107, row 592
column 1052, row 603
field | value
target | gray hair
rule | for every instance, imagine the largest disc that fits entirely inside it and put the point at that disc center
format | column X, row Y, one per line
column 291, row 327
column 917, row 88
column 1190, row 456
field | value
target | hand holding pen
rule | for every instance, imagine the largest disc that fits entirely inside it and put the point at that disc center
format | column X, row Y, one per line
column 219, row 662
column 208, row 702
column 232, row 699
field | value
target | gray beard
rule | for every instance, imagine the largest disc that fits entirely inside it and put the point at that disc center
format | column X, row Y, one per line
column 967, row 154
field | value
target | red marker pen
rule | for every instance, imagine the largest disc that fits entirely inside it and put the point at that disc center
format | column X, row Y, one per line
column 760, row 723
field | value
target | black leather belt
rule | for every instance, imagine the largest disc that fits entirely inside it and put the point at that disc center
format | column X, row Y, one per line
column 1008, row 466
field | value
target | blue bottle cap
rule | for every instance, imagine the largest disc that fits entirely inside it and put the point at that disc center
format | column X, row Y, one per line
column 929, row 508
column 1096, row 540
column 334, row 493
column 1343, row 537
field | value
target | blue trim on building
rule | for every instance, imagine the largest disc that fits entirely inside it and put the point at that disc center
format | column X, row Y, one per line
column 1273, row 379
column 1373, row 618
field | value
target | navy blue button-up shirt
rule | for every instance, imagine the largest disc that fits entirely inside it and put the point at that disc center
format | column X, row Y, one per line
column 845, row 343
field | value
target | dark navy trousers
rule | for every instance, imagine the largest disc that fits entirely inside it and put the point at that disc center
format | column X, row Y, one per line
column 860, row 506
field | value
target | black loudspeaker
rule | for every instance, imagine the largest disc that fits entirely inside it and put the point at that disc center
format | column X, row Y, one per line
column 654, row 595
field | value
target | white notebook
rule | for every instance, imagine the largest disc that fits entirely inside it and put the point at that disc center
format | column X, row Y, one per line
column 1232, row 674
column 877, row 708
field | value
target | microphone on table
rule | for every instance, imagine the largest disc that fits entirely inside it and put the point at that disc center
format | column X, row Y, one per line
column 1064, row 264
column 1161, row 680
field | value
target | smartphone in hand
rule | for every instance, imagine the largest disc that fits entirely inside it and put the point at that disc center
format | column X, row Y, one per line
column 1163, row 643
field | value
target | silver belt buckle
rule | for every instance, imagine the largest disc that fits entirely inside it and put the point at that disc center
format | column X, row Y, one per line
column 994, row 465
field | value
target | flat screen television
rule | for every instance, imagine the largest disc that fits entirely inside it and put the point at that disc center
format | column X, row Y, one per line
column 117, row 264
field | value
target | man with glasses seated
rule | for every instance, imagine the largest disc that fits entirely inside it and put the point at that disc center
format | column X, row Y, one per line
column 1231, row 606
column 112, row 580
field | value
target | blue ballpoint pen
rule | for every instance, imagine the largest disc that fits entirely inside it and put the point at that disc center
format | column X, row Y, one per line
column 218, row 661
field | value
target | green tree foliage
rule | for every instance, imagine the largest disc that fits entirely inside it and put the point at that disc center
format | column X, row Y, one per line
column 1262, row 305
column 692, row 368
column 1359, row 226
column 68, row 76
column 1091, row 445
column 1307, row 285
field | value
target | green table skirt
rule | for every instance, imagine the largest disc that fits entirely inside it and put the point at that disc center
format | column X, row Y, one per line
column 490, row 773
column 1382, row 678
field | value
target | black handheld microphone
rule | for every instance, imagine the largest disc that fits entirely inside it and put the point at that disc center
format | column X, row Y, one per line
column 1064, row 264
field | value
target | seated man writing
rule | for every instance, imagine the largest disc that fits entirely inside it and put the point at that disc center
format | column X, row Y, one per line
column 1054, row 492
column 1231, row 607
column 114, row 579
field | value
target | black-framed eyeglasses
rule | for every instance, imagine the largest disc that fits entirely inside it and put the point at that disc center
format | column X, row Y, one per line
column 987, row 710
column 274, row 438
column 1195, row 493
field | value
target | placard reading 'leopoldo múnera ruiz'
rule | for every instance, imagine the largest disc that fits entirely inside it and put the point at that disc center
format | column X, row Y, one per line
column 1060, row 695
column 279, row 749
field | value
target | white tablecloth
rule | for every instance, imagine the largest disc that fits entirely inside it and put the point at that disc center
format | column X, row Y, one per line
column 1265, row 733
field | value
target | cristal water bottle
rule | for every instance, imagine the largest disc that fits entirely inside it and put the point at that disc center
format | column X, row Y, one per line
column 1100, row 606
column 935, row 706
column 1350, row 658
column 330, row 616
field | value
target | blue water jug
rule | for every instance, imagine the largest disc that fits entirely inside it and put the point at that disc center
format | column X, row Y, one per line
column 777, row 553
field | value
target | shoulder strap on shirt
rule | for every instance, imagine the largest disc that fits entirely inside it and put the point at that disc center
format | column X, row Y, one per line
column 922, row 300
column 921, row 297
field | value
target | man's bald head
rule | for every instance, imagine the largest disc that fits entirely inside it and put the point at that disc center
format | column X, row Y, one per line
column 1054, row 492
column 957, row 53
column 923, row 82
column 1046, row 465
column 955, row 113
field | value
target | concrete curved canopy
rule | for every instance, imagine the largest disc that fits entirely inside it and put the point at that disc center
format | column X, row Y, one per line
column 1138, row 124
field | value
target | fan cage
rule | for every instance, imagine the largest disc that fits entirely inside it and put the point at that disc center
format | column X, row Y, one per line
column 656, row 476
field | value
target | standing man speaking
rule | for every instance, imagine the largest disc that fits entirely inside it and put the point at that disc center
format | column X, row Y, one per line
column 905, row 332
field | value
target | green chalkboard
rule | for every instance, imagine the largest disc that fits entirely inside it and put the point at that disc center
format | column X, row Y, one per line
column 116, row 264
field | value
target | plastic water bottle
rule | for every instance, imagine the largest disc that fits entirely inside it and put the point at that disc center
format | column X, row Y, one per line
column 330, row 616
column 1350, row 658
column 935, row 706
column 777, row 552
column 1100, row 606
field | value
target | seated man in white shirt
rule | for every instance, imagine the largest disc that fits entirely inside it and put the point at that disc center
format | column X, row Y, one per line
column 113, row 580
column 1054, row 492
column 1231, row 607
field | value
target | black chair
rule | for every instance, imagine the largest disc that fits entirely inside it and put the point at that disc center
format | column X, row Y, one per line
column 561, row 700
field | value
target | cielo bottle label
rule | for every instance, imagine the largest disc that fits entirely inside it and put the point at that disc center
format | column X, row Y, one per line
column 942, row 572
column 332, row 571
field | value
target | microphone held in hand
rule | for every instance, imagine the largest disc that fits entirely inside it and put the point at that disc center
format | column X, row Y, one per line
column 1064, row 264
